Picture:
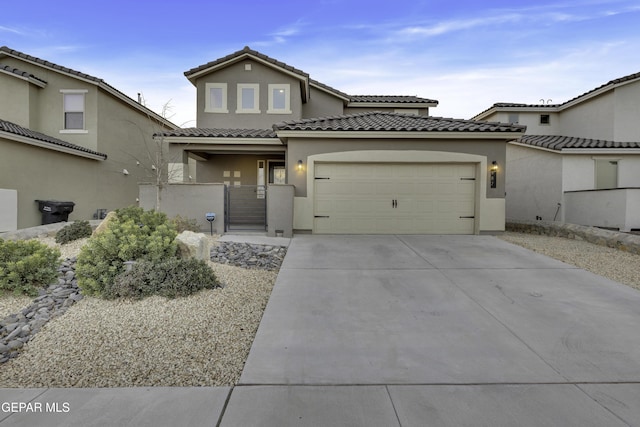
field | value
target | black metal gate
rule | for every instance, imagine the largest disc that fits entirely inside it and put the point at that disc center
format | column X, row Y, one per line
column 245, row 207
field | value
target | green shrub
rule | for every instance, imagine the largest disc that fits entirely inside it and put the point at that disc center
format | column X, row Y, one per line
column 133, row 235
column 74, row 231
column 185, row 224
column 171, row 278
column 27, row 266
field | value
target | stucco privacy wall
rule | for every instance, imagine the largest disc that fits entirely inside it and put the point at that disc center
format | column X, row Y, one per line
column 188, row 200
column 8, row 210
column 490, row 212
column 615, row 208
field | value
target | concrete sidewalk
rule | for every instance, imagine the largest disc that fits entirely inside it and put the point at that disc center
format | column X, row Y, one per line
column 406, row 331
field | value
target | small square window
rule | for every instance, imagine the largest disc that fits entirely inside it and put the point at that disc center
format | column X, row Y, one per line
column 545, row 119
column 514, row 118
column 216, row 98
column 279, row 99
column 73, row 110
column 248, row 98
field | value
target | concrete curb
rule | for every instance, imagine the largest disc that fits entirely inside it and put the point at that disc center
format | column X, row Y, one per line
column 613, row 239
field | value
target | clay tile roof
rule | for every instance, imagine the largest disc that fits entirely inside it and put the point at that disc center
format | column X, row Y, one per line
column 392, row 99
column 559, row 143
column 20, row 73
column 14, row 129
column 382, row 121
column 246, row 51
column 219, row 133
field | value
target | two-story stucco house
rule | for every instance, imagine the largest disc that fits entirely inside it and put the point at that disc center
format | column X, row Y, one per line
column 319, row 160
column 68, row 136
column 579, row 161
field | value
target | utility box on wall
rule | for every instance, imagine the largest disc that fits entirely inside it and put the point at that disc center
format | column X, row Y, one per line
column 8, row 210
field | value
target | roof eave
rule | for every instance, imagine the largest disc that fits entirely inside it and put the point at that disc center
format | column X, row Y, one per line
column 51, row 146
column 356, row 104
column 398, row 134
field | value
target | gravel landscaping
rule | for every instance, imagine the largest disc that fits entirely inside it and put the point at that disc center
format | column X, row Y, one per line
column 614, row 264
column 203, row 339
column 200, row 340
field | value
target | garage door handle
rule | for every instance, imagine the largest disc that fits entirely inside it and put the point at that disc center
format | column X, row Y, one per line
column 466, row 217
column 321, row 216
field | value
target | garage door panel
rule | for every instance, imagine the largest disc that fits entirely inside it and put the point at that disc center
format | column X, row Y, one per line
column 394, row 198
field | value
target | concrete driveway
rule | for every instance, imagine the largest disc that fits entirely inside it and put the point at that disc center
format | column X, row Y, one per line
column 439, row 331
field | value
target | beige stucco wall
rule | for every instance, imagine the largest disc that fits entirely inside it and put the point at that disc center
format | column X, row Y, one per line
column 627, row 113
column 213, row 169
column 280, row 210
column 490, row 211
column 112, row 127
column 302, row 148
column 533, row 183
column 531, row 120
column 189, row 201
column 322, row 104
column 592, row 118
column 235, row 74
column 15, row 96
column 8, row 209
column 47, row 114
column 38, row 173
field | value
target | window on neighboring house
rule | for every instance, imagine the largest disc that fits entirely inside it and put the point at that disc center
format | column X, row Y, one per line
column 248, row 98
column 545, row 119
column 514, row 118
column 606, row 171
column 216, row 98
column 279, row 99
column 73, row 106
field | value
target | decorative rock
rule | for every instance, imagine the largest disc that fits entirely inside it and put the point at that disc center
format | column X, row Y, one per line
column 105, row 223
column 17, row 329
column 264, row 257
column 193, row 245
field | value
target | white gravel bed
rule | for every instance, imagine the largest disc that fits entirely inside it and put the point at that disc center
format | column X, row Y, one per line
column 10, row 304
column 200, row 340
column 620, row 266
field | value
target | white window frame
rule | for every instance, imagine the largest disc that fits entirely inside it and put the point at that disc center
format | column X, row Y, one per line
column 287, row 99
column 208, row 108
column 84, row 110
column 256, row 98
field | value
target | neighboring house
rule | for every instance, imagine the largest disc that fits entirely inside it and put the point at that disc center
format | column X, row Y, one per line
column 579, row 161
column 335, row 163
column 68, row 136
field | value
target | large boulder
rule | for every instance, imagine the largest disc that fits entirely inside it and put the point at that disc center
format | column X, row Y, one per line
column 193, row 245
column 105, row 223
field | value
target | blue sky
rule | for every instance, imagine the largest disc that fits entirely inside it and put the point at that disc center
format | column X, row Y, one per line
column 466, row 54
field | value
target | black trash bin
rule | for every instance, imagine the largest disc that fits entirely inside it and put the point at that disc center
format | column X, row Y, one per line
column 54, row 210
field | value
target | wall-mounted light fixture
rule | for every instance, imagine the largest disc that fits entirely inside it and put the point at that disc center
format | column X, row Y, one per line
column 300, row 165
column 494, row 174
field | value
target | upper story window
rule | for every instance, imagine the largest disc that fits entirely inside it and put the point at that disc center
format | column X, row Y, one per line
column 514, row 118
column 545, row 119
column 248, row 98
column 73, row 107
column 216, row 98
column 279, row 99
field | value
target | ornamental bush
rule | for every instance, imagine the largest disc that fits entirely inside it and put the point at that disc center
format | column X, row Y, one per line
column 183, row 223
column 172, row 278
column 27, row 266
column 74, row 231
column 133, row 235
